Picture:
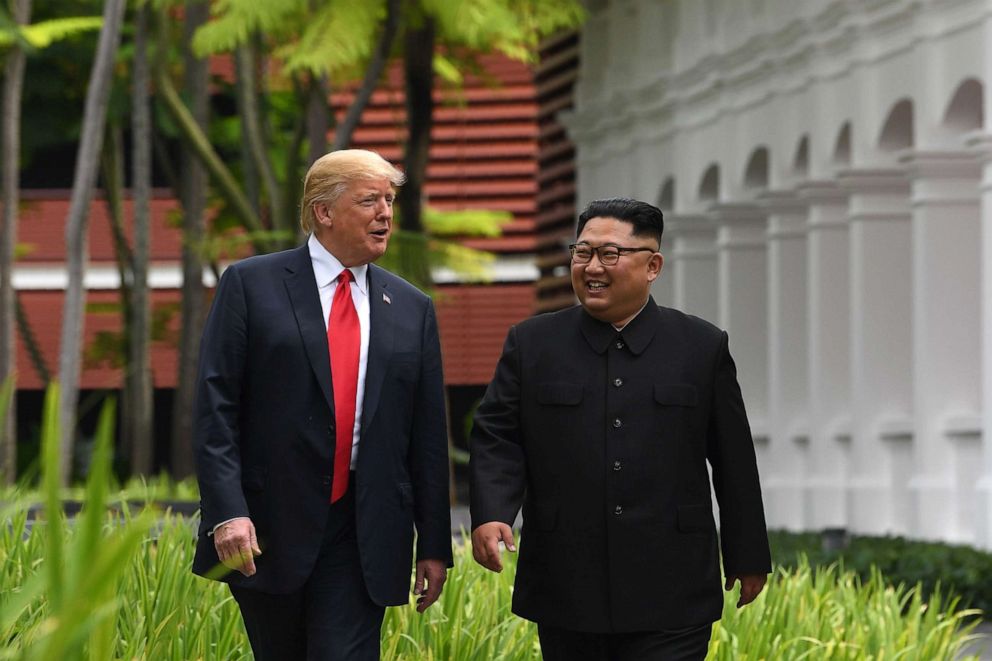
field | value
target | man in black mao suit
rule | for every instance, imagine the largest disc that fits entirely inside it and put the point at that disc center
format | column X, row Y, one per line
column 312, row 480
column 599, row 422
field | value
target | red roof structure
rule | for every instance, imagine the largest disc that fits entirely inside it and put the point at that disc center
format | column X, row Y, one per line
column 483, row 156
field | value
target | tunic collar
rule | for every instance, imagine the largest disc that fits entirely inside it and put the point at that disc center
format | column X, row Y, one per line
column 637, row 334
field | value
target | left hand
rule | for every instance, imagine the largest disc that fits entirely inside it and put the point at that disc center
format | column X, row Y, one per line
column 436, row 572
column 751, row 586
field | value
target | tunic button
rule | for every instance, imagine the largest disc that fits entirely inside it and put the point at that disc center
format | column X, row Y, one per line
column 619, row 344
column 618, row 382
column 617, row 424
column 618, row 511
column 616, row 465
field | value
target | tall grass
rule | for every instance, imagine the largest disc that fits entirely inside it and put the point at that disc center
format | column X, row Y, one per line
column 117, row 585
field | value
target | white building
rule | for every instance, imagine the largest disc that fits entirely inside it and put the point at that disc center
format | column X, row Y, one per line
column 827, row 177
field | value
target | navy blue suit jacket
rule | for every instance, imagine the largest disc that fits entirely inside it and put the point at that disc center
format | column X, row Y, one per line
column 264, row 427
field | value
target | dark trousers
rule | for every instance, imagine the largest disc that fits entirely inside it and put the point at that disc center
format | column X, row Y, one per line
column 678, row 645
column 332, row 617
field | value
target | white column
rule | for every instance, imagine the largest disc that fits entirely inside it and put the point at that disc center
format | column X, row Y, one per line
column 692, row 266
column 881, row 348
column 828, row 353
column 784, row 479
column 743, row 312
column 983, row 145
column 946, row 340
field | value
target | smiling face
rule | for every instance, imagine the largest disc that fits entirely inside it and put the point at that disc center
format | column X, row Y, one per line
column 615, row 294
column 356, row 227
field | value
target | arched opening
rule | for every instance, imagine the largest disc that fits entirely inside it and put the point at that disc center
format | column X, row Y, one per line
column 897, row 132
column 800, row 163
column 666, row 195
column 966, row 111
column 842, row 146
column 756, row 172
column 709, row 186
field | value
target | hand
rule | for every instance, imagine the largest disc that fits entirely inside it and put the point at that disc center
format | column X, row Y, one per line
column 751, row 586
column 436, row 572
column 485, row 544
column 237, row 546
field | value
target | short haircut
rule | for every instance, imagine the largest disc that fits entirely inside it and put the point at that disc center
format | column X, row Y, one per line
column 646, row 219
column 332, row 173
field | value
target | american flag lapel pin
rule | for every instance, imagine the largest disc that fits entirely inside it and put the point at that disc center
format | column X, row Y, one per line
column 386, row 299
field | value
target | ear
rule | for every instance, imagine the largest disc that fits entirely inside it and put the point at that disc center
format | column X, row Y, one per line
column 322, row 214
column 655, row 264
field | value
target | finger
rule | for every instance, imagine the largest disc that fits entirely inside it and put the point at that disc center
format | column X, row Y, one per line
column 730, row 583
column 255, row 549
column 492, row 555
column 418, row 586
column 247, row 562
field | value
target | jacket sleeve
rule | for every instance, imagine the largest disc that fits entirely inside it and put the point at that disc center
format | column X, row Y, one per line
column 216, row 433
column 730, row 450
column 497, row 465
column 429, row 451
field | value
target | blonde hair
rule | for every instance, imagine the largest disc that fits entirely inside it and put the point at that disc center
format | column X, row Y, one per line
column 331, row 174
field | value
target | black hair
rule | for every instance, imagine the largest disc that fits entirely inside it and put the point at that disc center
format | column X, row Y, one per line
column 646, row 219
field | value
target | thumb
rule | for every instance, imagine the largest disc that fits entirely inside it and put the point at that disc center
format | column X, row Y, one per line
column 730, row 583
column 506, row 534
column 254, row 541
column 418, row 586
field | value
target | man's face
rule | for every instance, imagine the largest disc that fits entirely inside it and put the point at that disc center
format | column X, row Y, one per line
column 356, row 228
column 616, row 293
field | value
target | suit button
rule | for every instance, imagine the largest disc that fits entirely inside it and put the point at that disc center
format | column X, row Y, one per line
column 617, row 424
column 618, row 382
column 618, row 511
column 330, row 430
column 619, row 344
column 616, row 465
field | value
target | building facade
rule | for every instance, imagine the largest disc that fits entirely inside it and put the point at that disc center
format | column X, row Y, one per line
column 826, row 174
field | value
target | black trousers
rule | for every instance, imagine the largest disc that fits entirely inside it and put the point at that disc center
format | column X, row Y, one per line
column 332, row 617
column 677, row 645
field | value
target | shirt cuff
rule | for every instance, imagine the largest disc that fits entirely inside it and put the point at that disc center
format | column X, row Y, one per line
column 214, row 529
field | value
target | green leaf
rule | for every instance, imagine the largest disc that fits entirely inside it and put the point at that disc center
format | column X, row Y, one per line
column 44, row 33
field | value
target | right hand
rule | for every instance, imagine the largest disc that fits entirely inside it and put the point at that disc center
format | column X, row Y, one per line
column 485, row 544
column 237, row 546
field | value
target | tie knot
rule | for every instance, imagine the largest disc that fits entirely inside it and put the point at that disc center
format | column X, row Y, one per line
column 345, row 277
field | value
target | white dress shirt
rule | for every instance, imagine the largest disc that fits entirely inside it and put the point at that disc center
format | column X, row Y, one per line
column 326, row 269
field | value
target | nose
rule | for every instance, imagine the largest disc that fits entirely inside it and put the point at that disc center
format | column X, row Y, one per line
column 384, row 208
column 594, row 264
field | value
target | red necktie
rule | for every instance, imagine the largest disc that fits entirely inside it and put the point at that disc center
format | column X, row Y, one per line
column 344, row 341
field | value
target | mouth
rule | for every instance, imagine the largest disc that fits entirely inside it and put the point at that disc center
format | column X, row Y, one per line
column 380, row 233
column 596, row 285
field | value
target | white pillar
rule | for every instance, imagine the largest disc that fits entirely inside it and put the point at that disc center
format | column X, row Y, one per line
column 946, row 341
column 881, row 348
column 783, row 481
column 828, row 353
column 692, row 266
column 983, row 145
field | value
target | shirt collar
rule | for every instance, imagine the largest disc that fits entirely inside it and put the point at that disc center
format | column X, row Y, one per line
column 326, row 267
column 637, row 334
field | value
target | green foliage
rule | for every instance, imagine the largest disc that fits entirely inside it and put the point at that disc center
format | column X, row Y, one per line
column 829, row 613
column 963, row 570
column 44, row 33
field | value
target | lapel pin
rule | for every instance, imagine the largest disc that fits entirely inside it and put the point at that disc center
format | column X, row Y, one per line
column 386, row 299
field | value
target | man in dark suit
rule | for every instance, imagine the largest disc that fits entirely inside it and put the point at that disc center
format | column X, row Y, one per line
column 599, row 421
column 320, row 435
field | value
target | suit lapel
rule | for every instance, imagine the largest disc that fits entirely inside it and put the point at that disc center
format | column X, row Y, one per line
column 381, row 330
column 302, row 288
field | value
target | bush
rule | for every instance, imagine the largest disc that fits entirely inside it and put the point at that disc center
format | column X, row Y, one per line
column 960, row 570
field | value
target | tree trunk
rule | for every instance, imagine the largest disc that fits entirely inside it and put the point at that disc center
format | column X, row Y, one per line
column 251, row 123
column 13, row 86
column 141, row 399
column 377, row 63
column 418, row 67
column 194, row 201
column 318, row 118
column 94, row 119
